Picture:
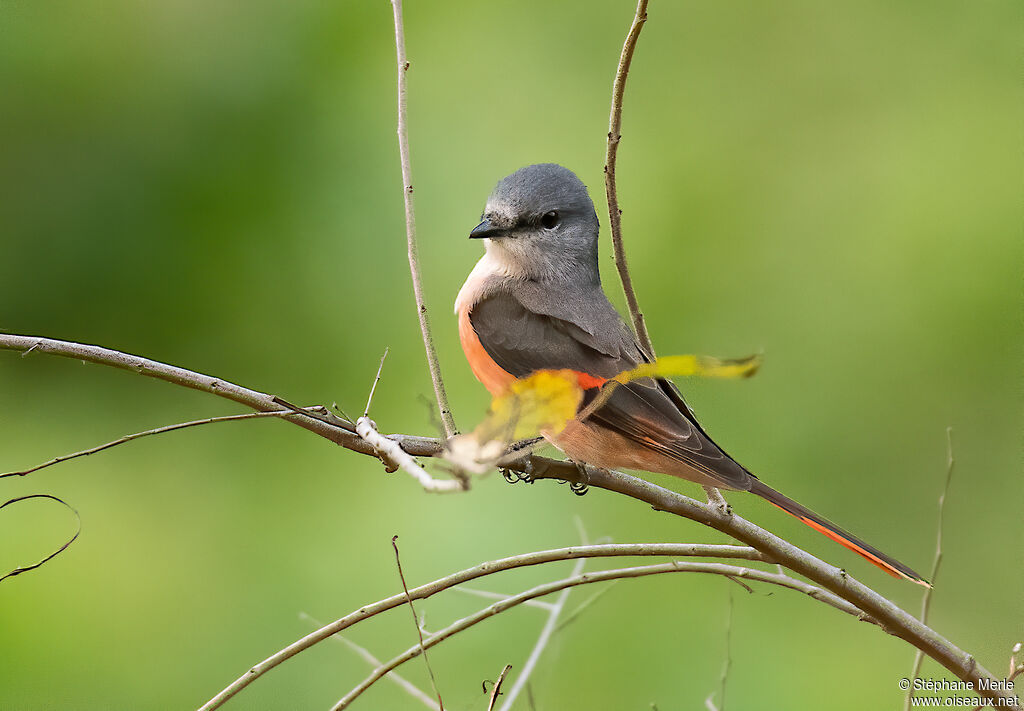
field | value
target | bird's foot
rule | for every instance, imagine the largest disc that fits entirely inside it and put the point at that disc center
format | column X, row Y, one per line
column 523, row 472
column 582, row 485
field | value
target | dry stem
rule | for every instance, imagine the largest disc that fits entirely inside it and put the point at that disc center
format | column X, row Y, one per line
column 410, row 229
column 610, row 188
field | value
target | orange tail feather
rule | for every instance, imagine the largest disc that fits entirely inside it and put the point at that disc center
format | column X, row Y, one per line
column 887, row 563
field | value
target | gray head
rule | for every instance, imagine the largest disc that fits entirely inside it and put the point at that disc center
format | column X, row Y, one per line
column 540, row 224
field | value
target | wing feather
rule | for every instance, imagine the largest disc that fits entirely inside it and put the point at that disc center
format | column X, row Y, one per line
column 649, row 412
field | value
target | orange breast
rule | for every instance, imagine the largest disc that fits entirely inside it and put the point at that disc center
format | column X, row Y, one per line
column 494, row 378
column 484, row 368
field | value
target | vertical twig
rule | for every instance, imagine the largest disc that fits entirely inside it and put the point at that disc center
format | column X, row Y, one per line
column 614, row 213
column 416, row 621
column 926, row 599
column 410, row 228
column 373, row 388
column 709, row 703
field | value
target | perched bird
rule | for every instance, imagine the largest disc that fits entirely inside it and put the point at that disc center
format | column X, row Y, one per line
column 534, row 302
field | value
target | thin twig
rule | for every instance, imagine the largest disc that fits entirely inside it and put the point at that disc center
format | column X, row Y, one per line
column 147, row 433
column 410, row 228
column 416, row 622
column 726, row 666
column 926, row 599
column 612, row 195
column 488, row 595
column 78, row 529
column 367, row 655
column 496, row 691
column 373, row 388
column 582, row 607
column 610, row 189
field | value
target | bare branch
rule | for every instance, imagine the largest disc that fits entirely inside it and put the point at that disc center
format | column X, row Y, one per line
column 332, row 428
column 610, row 189
column 675, row 550
column 410, row 228
column 612, row 195
column 926, row 599
column 551, row 587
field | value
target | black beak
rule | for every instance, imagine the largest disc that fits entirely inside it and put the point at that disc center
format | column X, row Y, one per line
column 486, row 229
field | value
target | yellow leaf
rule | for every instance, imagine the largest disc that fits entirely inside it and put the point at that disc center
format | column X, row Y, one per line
column 546, row 400
column 693, row 365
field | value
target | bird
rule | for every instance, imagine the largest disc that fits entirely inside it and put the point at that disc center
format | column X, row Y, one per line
column 534, row 301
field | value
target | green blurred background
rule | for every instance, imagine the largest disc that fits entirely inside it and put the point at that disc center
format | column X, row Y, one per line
column 217, row 186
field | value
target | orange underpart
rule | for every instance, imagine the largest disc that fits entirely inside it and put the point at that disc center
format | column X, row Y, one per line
column 492, row 375
column 494, row 378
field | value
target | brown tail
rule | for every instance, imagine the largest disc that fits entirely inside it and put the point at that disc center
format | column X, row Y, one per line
column 890, row 565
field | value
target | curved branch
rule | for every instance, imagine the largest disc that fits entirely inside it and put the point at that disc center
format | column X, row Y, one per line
column 610, row 189
column 675, row 550
column 410, row 229
column 890, row 617
column 78, row 529
column 729, row 571
column 329, row 426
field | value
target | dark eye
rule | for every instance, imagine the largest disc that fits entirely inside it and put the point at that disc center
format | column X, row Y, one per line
column 549, row 220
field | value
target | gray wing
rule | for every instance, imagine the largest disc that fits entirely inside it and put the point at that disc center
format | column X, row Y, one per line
column 521, row 340
column 650, row 412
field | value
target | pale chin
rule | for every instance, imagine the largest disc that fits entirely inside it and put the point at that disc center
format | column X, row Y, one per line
column 502, row 259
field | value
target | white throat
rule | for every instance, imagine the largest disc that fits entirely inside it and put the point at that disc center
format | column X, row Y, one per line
column 491, row 264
